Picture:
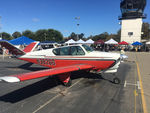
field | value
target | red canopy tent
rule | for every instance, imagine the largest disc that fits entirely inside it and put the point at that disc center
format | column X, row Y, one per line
column 123, row 43
column 99, row 42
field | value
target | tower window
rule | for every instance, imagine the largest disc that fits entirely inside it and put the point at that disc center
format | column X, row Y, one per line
column 130, row 33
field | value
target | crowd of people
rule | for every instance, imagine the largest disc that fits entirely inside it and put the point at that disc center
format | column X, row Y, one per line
column 108, row 47
column 137, row 48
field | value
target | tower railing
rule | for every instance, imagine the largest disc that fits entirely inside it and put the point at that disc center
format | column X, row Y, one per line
column 132, row 16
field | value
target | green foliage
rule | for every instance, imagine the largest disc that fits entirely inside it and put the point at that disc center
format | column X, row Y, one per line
column 16, row 34
column 146, row 31
column 73, row 36
column 54, row 35
column 6, row 36
column 104, row 36
column 76, row 36
column 41, row 35
column 49, row 35
column 81, row 36
column 118, row 35
column 28, row 33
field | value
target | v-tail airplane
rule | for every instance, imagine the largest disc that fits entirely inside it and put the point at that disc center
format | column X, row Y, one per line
column 62, row 61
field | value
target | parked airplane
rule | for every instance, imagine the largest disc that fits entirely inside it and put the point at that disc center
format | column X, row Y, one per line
column 62, row 61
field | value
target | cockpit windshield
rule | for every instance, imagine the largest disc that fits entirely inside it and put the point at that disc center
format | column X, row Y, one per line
column 87, row 48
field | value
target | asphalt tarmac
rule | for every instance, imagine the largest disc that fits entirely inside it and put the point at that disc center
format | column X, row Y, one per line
column 89, row 93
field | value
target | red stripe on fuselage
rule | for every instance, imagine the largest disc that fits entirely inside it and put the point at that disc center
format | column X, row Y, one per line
column 73, row 57
column 52, row 63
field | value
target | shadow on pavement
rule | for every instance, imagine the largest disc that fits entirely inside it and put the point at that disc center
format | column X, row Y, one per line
column 41, row 86
column 30, row 90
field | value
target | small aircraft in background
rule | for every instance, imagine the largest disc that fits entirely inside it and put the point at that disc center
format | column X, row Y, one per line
column 62, row 61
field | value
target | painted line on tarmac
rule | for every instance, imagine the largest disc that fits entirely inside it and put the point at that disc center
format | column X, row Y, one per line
column 125, row 83
column 138, row 84
column 49, row 101
column 131, row 84
column 135, row 95
column 142, row 91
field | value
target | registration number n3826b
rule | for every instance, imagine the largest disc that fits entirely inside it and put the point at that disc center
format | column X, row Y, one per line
column 46, row 62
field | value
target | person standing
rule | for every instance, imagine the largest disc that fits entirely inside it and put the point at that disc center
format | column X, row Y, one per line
column 122, row 52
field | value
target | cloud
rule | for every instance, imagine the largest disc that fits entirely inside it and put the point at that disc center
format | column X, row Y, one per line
column 66, row 31
column 35, row 19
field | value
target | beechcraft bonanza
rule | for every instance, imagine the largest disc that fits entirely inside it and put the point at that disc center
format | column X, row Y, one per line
column 62, row 61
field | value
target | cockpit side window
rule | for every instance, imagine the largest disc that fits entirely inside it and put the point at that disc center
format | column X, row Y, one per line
column 64, row 51
column 73, row 50
column 76, row 50
column 61, row 51
column 80, row 51
column 56, row 51
column 87, row 48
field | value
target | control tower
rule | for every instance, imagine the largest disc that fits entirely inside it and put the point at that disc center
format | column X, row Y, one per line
column 131, row 19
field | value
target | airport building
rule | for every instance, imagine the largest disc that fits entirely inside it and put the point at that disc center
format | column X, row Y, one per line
column 132, row 19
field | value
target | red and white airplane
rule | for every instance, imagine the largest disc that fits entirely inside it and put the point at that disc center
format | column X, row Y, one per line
column 62, row 61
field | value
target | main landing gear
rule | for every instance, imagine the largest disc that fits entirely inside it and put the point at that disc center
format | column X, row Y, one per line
column 65, row 79
column 68, row 84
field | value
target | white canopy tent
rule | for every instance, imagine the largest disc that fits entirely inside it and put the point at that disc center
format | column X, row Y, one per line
column 71, row 41
column 80, row 41
column 148, row 43
column 111, row 41
column 90, row 41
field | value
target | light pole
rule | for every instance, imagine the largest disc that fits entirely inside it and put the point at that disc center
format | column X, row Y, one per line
column 77, row 18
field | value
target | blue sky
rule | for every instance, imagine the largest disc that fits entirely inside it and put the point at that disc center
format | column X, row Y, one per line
column 96, row 16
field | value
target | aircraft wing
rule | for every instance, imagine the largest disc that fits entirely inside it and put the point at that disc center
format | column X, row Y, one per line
column 46, row 72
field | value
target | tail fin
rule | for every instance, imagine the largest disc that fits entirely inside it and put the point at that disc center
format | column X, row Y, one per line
column 12, row 49
column 31, row 47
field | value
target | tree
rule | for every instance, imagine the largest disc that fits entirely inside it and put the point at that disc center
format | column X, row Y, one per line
column 118, row 35
column 16, row 34
column 76, row 36
column 102, row 36
column 90, row 37
column 54, row 35
column 73, row 36
column 6, row 36
column 28, row 34
column 146, row 31
column 41, row 35
column 48, row 35
column 81, row 36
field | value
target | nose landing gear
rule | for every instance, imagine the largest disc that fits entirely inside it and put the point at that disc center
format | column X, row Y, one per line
column 116, row 80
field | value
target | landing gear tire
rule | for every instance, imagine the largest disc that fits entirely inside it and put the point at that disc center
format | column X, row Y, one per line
column 68, row 84
column 116, row 80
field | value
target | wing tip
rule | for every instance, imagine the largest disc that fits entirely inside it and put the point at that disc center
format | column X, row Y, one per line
column 9, row 79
